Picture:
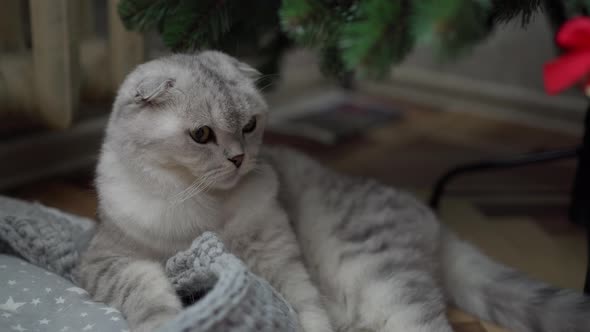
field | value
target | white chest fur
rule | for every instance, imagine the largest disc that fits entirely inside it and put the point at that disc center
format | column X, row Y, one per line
column 152, row 220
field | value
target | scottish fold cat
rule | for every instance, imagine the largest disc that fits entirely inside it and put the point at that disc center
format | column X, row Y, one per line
column 182, row 155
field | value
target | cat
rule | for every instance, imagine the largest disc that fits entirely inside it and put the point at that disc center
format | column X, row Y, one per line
column 383, row 262
column 180, row 157
column 378, row 257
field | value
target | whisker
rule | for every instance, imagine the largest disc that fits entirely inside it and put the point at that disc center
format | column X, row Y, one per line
column 261, row 77
column 179, row 194
column 205, row 184
column 258, row 170
column 197, row 188
column 188, row 191
column 257, row 167
column 261, row 89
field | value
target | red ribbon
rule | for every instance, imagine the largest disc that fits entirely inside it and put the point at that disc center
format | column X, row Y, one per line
column 574, row 64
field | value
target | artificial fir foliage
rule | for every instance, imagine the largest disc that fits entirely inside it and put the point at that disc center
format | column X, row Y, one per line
column 507, row 10
column 243, row 28
column 365, row 36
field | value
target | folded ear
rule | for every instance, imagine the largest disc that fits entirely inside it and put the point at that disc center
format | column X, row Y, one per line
column 154, row 90
column 247, row 70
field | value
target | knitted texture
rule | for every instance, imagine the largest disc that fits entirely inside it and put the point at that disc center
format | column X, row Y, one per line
column 234, row 299
column 42, row 237
column 237, row 300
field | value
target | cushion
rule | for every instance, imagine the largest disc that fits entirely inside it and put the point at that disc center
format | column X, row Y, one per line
column 34, row 299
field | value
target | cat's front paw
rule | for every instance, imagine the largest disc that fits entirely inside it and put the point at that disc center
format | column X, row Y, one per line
column 207, row 248
column 193, row 264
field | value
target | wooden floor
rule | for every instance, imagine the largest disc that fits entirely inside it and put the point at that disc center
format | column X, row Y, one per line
column 517, row 216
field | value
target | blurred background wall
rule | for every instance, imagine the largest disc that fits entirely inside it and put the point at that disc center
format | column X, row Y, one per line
column 502, row 74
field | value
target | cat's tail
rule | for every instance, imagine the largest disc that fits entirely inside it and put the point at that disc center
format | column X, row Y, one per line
column 507, row 297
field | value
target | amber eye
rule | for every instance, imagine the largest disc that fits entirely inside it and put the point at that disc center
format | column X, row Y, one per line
column 202, row 135
column 250, row 126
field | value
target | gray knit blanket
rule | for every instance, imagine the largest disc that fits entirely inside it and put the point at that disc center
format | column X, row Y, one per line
column 231, row 297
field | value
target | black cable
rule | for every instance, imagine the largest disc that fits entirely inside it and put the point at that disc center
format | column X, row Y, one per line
column 517, row 161
column 587, row 285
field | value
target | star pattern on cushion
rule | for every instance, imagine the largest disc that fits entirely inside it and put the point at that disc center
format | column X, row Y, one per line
column 47, row 302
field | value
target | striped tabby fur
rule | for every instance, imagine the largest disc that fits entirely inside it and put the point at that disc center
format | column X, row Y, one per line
column 384, row 263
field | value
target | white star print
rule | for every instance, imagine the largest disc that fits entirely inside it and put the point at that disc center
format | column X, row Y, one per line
column 10, row 305
column 114, row 318
column 108, row 310
column 88, row 327
column 18, row 328
column 6, row 315
column 84, row 314
column 44, row 321
column 48, row 290
column 64, row 329
column 25, row 289
column 35, row 301
column 59, row 300
column 11, row 282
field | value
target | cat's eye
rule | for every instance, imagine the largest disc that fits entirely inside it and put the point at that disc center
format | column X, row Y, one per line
column 250, row 126
column 202, row 135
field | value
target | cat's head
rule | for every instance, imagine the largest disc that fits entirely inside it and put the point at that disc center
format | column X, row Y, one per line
column 196, row 117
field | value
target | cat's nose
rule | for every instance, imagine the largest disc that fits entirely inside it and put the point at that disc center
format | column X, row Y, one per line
column 237, row 160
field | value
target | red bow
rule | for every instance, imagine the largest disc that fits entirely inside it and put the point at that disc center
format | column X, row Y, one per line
column 572, row 66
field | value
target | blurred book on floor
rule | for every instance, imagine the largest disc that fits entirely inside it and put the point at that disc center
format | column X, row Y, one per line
column 334, row 123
